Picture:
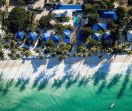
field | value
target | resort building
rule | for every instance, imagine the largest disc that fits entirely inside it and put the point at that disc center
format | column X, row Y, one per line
column 108, row 14
column 67, row 10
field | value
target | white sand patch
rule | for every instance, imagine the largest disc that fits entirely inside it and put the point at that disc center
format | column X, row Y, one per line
column 54, row 69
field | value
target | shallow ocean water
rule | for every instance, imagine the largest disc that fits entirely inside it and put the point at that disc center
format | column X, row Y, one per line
column 70, row 95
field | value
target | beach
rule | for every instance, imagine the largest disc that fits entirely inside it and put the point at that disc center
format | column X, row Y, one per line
column 33, row 67
column 74, row 84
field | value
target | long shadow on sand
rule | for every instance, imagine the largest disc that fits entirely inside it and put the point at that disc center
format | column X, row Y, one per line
column 93, row 61
column 101, row 73
column 36, row 63
column 52, row 62
column 125, row 82
column 69, row 62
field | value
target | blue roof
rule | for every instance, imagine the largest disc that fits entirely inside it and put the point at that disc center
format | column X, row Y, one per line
column 100, row 26
column 67, row 34
column 20, row 35
column 108, row 14
column 46, row 36
column 68, row 6
column 107, row 35
column 97, row 36
column 67, row 41
column 56, row 38
column 32, row 36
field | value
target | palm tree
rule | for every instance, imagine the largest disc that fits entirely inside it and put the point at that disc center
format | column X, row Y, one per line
column 4, row 2
column 3, row 16
column 129, row 52
column 28, row 53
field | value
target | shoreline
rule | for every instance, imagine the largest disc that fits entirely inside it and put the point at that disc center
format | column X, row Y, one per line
column 54, row 69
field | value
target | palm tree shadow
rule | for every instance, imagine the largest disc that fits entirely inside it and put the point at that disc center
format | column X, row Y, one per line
column 83, row 81
column 125, row 82
column 72, row 81
column 101, row 87
column 101, row 73
column 114, row 81
column 43, row 84
column 58, row 82
column 38, row 79
column 24, row 83
column 19, row 82
column 7, row 87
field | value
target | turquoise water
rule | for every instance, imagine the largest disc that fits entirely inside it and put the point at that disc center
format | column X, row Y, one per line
column 69, row 95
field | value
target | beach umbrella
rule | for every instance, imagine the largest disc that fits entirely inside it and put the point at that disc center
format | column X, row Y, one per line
column 67, row 34
column 46, row 36
column 20, row 35
column 32, row 36
column 107, row 35
column 56, row 38
column 97, row 36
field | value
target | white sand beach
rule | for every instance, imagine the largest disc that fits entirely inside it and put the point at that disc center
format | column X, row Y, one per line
column 54, row 69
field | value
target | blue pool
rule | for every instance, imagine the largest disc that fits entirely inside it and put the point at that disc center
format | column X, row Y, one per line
column 67, row 6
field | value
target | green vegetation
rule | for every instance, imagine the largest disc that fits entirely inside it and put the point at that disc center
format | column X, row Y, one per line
column 121, row 13
column 20, row 19
column 44, row 22
column 4, row 2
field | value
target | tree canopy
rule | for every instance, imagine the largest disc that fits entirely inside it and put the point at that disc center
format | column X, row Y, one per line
column 20, row 19
column 44, row 21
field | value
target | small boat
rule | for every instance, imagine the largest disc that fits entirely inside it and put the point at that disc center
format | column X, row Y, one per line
column 112, row 105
